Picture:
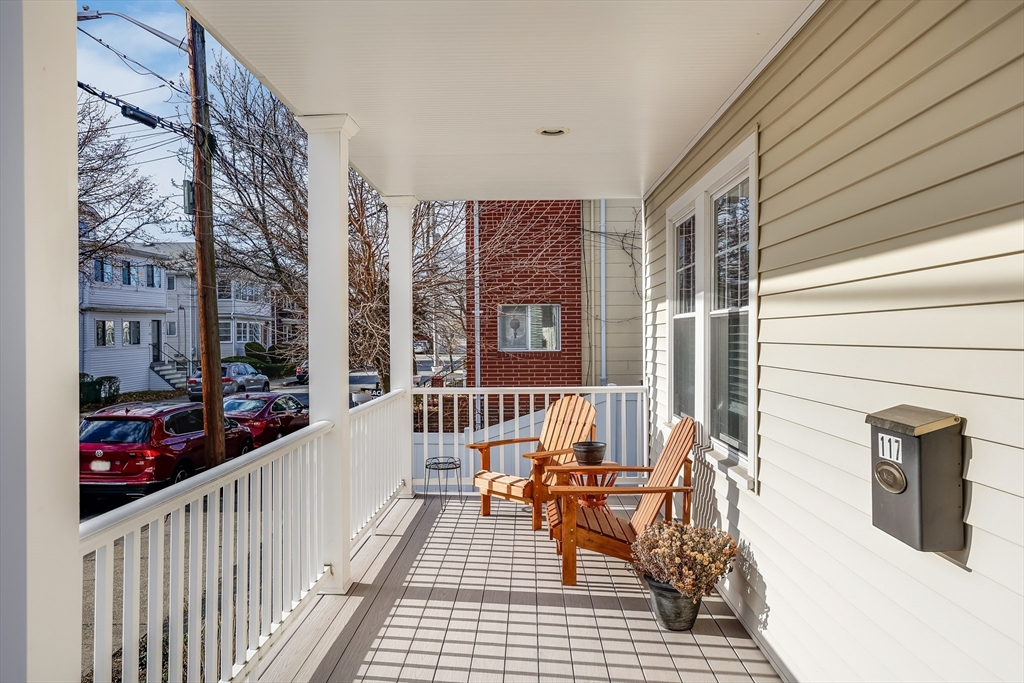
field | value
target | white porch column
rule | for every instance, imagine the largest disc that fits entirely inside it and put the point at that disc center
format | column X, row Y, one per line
column 328, row 327
column 400, row 287
column 41, row 570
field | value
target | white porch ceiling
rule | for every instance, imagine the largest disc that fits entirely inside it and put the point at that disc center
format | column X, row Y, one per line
column 449, row 94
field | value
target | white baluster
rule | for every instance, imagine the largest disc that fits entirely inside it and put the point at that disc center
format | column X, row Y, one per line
column 210, row 602
column 103, row 624
column 195, row 582
column 130, row 609
column 266, row 556
column 155, row 602
column 241, row 571
column 228, row 588
column 254, row 559
column 176, row 599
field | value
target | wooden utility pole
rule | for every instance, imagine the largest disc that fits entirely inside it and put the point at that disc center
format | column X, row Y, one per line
column 206, row 263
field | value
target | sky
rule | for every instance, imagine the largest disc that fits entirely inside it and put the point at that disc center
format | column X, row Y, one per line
column 105, row 71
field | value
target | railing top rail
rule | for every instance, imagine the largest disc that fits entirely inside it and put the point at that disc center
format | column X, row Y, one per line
column 530, row 390
column 111, row 525
column 378, row 402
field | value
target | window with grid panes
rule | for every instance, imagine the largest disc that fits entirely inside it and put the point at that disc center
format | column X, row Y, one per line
column 684, row 319
column 728, row 339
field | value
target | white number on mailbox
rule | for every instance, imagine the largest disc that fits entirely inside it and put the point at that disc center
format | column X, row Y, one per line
column 890, row 448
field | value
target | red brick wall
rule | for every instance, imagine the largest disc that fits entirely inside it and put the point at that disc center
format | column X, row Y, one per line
column 530, row 253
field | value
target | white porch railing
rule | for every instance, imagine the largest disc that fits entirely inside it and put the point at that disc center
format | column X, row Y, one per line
column 447, row 419
column 378, row 429
column 222, row 559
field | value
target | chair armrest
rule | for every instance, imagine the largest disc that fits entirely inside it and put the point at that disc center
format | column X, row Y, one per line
column 543, row 455
column 576, row 468
column 504, row 442
column 615, row 490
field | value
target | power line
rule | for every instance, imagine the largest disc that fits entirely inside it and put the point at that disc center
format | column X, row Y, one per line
column 128, row 61
column 129, row 110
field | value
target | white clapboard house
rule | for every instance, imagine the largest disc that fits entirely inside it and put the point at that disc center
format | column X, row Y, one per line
column 138, row 317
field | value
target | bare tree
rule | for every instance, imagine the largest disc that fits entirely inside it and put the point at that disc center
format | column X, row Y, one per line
column 117, row 203
column 261, row 224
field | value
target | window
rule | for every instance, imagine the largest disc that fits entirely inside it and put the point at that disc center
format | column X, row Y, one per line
column 729, row 308
column 223, row 289
column 530, row 327
column 187, row 422
column 248, row 292
column 712, row 335
column 104, row 333
column 170, row 283
column 225, row 332
column 153, row 276
column 172, row 328
column 126, row 272
column 684, row 320
column 131, row 332
column 247, row 332
column 102, row 271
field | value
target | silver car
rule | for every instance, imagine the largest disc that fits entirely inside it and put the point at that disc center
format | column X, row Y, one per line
column 234, row 377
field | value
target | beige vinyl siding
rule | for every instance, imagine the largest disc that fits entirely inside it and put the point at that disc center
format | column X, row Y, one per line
column 624, row 303
column 891, row 270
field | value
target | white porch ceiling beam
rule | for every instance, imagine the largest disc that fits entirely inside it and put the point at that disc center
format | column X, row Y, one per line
column 400, row 210
column 41, row 569
column 329, row 137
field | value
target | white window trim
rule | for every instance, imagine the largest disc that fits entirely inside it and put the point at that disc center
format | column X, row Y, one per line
column 741, row 162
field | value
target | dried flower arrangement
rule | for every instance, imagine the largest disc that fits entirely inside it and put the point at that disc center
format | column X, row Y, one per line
column 691, row 559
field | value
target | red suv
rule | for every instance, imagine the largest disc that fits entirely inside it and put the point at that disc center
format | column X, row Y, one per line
column 135, row 448
column 267, row 416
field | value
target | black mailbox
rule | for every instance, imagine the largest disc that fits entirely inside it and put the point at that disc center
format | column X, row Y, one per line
column 917, row 477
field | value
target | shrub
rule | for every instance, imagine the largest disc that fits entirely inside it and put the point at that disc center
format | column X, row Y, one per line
column 691, row 559
column 110, row 388
column 85, row 377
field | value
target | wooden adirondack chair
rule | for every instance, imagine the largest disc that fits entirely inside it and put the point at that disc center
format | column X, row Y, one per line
column 574, row 526
column 568, row 420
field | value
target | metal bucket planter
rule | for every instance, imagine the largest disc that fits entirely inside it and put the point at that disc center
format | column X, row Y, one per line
column 589, row 452
column 673, row 610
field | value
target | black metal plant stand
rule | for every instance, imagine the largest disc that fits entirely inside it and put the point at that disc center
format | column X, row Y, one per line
column 443, row 464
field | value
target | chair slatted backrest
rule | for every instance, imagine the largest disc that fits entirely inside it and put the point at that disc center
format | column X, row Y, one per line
column 673, row 457
column 568, row 420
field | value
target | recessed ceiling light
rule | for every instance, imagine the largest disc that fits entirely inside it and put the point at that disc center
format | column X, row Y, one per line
column 552, row 132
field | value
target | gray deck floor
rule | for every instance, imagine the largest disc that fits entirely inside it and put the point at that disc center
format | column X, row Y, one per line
column 452, row 596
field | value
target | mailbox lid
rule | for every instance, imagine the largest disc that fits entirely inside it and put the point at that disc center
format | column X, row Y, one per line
column 911, row 420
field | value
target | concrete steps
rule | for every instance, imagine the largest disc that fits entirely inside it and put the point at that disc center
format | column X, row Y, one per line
column 170, row 374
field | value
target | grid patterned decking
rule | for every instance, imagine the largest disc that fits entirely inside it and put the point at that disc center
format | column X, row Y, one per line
column 452, row 596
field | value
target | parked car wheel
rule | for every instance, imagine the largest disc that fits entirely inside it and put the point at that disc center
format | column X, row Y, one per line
column 180, row 474
column 246, row 447
column 266, row 386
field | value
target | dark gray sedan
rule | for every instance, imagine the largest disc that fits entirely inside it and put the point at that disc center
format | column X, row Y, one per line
column 235, row 377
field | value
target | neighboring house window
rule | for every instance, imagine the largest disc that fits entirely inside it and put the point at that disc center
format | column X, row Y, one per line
column 224, row 290
column 172, row 327
column 170, row 283
column 225, row 332
column 131, row 332
column 126, row 273
column 104, row 333
column 248, row 292
column 529, row 327
column 247, row 332
column 102, row 271
column 684, row 319
column 153, row 276
column 712, row 322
